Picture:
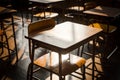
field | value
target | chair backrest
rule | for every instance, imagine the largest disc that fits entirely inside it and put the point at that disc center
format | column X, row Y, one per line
column 41, row 25
column 90, row 5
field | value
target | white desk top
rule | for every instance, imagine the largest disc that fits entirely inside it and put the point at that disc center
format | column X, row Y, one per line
column 46, row 1
column 65, row 37
column 104, row 11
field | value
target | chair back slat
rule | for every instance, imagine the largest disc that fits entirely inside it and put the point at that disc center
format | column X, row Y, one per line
column 41, row 25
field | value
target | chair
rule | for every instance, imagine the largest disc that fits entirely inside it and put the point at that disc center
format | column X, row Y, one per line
column 44, row 15
column 4, row 46
column 44, row 12
column 77, row 8
column 50, row 60
column 8, row 14
column 74, row 10
column 108, row 37
column 105, row 44
column 107, row 40
column 89, row 5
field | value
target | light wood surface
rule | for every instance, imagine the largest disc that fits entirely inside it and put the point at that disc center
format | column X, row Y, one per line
column 65, row 37
column 46, row 1
column 104, row 11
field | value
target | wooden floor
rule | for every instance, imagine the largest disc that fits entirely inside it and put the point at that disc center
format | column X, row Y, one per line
column 110, row 69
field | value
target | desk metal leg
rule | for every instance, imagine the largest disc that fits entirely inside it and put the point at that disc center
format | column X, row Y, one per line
column 31, row 57
column 60, row 66
column 93, row 59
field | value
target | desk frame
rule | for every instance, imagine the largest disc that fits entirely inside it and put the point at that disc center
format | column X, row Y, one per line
column 33, row 42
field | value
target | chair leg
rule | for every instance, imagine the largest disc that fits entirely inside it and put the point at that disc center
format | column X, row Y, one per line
column 80, row 51
column 22, row 15
column 28, row 72
column 31, row 17
column 1, row 44
column 7, row 43
column 50, row 75
column 83, row 72
column 63, row 78
column 14, row 35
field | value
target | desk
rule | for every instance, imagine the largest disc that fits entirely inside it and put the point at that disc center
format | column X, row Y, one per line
column 108, row 14
column 8, row 13
column 44, row 4
column 104, row 11
column 46, row 1
column 63, row 38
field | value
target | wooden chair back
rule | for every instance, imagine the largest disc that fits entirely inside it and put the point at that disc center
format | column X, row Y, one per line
column 41, row 25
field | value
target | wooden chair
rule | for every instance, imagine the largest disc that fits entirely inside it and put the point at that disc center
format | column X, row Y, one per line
column 50, row 60
column 43, row 12
column 4, row 46
column 8, row 14
column 109, row 35
column 105, row 44
column 46, row 14
column 41, row 25
column 90, row 5
column 107, row 40
column 74, row 10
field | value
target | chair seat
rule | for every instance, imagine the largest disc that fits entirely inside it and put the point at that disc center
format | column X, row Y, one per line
column 76, row 8
column 50, row 61
column 90, row 5
column 47, row 15
column 104, row 27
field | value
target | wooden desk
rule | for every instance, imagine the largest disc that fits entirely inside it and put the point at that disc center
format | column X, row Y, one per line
column 45, row 4
column 63, row 38
column 104, row 11
column 108, row 15
column 46, row 1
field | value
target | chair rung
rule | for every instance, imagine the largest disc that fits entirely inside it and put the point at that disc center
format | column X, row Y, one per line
column 36, row 78
column 35, row 70
column 112, row 52
column 75, row 76
column 90, row 54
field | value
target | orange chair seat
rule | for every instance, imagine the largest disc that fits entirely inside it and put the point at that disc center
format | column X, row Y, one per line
column 47, row 14
column 104, row 27
column 50, row 61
